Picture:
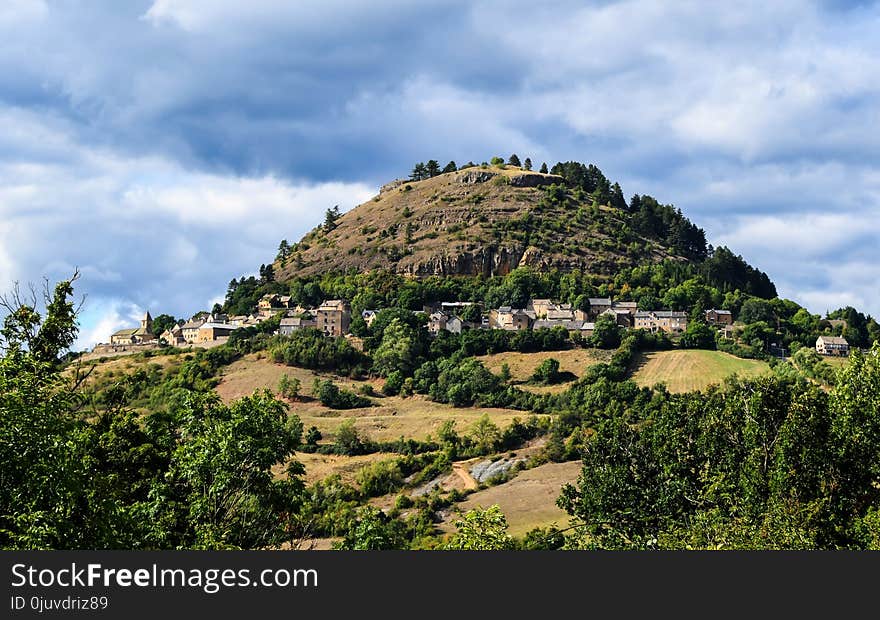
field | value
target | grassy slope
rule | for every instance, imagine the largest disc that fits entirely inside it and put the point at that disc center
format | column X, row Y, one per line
column 683, row 371
column 528, row 501
column 451, row 219
column 522, row 365
column 394, row 416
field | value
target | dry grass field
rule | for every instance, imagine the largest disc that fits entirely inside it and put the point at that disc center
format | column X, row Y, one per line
column 528, row 501
column 522, row 365
column 685, row 371
column 392, row 417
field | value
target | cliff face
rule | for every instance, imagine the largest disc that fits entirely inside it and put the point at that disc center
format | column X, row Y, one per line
column 474, row 222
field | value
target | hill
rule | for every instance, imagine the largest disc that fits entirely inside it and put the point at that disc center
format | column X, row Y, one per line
column 479, row 221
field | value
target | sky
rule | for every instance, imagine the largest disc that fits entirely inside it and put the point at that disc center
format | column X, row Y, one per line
column 163, row 147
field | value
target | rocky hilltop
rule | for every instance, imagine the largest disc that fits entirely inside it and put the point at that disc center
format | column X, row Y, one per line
column 479, row 221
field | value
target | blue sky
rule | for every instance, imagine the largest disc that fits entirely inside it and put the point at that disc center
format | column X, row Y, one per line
column 166, row 146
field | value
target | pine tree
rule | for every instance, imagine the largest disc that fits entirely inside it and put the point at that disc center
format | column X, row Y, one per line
column 527, row 164
column 418, row 172
column 543, row 168
column 330, row 217
column 617, row 199
column 514, row 161
column 450, row 167
column 432, row 168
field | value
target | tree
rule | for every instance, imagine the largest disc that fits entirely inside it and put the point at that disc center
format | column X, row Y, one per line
column 698, row 335
column 481, row 530
column 283, row 251
column 543, row 169
column 267, row 274
column 230, row 496
column 606, row 333
column 408, row 233
column 398, row 350
column 527, row 164
column 348, row 439
column 372, row 530
column 432, row 168
column 547, row 372
column 514, row 160
column 485, row 434
column 330, row 218
column 288, row 387
column 163, row 322
column 472, row 314
column 755, row 310
column 450, row 167
column 618, row 201
column 419, row 172
column 497, row 161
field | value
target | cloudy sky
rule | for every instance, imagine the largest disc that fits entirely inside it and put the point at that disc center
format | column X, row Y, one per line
column 165, row 146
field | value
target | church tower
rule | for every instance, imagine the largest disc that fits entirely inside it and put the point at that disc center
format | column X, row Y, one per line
column 147, row 323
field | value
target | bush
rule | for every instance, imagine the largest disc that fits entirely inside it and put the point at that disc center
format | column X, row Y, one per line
column 331, row 396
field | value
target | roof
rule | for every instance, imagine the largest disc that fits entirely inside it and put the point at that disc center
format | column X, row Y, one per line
column 126, row 332
column 192, row 325
column 296, row 320
column 832, row 340
column 600, row 301
column 625, row 304
column 669, row 314
column 218, row 326
column 333, row 304
column 718, row 311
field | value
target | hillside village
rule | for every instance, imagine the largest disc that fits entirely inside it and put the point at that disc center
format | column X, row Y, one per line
column 334, row 317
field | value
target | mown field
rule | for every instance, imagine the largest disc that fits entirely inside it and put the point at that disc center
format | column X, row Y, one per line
column 528, row 501
column 684, row 371
column 522, row 365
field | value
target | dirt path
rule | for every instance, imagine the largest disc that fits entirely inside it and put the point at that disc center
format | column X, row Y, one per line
column 461, row 470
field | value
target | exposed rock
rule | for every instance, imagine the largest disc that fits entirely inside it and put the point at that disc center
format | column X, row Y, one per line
column 391, row 185
column 486, row 470
column 471, row 176
column 534, row 179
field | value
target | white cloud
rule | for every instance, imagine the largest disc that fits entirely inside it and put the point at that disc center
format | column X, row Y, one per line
column 145, row 232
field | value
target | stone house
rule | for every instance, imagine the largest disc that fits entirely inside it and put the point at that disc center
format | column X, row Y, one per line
column 719, row 317
column 190, row 330
column 291, row 324
column 620, row 316
column 598, row 305
column 668, row 321
column 173, row 337
column 369, row 316
column 334, row 317
column 210, row 331
column 437, row 322
column 509, row 318
column 832, row 345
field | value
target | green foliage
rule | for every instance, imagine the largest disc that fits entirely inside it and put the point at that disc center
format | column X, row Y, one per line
column 763, row 463
column 481, row 530
column 606, row 333
column 309, row 348
column 372, row 530
column 348, row 439
column 497, row 161
column 332, row 396
column 698, row 335
column 289, row 386
column 547, row 372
